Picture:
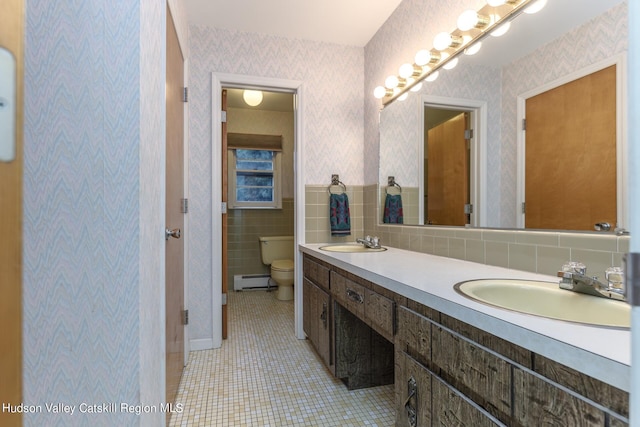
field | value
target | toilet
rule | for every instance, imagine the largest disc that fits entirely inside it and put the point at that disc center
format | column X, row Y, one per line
column 278, row 252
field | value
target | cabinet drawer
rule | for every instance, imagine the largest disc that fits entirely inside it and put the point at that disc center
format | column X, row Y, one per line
column 380, row 313
column 349, row 294
column 538, row 402
column 424, row 399
column 414, row 335
column 317, row 273
column 484, row 377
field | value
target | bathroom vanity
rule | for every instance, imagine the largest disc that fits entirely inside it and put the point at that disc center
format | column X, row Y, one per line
column 394, row 317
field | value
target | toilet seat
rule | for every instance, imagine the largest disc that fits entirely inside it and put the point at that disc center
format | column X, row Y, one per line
column 282, row 265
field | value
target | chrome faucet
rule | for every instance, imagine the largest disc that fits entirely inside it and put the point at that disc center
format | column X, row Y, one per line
column 574, row 278
column 370, row 242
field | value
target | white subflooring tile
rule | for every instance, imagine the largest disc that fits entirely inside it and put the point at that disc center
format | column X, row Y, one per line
column 263, row 376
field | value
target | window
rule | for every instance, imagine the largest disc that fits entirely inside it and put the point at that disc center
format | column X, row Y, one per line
column 254, row 178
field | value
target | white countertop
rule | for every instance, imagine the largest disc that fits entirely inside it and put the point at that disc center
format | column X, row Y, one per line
column 602, row 353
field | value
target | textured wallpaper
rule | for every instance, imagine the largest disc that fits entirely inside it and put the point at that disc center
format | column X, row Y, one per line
column 81, row 192
column 332, row 131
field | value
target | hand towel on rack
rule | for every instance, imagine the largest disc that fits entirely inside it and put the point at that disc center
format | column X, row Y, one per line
column 339, row 217
column 393, row 209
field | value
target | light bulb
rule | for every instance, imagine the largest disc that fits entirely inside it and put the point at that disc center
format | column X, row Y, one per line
column 424, row 57
column 252, row 97
column 535, row 7
column 471, row 19
column 380, row 92
column 444, row 40
column 406, row 70
column 403, row 96
column 391, row 82
column 417, row 87
column 451, row 64
column 501, row 30
column 472, row 50
column 432, row 76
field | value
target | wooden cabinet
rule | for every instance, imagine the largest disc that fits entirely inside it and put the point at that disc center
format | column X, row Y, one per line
column 475, row 385
column 424, row 399
column 317, row 323
column 446, row 372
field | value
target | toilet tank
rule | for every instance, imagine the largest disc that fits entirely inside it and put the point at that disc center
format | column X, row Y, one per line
column 276, row 247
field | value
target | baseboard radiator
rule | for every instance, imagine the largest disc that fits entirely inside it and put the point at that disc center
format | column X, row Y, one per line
column 251, row 282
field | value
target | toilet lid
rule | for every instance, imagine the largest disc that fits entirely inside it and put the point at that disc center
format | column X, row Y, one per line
column 282, row 264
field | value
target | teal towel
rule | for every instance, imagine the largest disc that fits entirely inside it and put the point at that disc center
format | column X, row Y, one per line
column 393, row 209
column 339, row 217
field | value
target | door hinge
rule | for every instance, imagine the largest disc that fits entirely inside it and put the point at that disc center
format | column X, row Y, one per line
column 224, row 299
column 524, row 207
column 468, row 208
column 184, row 206
column 223, row 117
column 185, row 94
column 524, row 124
column 185, row 317
column 468, row 134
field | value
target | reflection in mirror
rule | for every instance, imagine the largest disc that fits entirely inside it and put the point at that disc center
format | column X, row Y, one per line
column 446, row 166
column 575, row 35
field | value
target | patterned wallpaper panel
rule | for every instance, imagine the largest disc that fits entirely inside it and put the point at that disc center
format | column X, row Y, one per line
column 333, row 134
column 81, row 207
column 93, row 317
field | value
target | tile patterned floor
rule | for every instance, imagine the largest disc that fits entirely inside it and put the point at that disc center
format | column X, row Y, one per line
column 264, row 376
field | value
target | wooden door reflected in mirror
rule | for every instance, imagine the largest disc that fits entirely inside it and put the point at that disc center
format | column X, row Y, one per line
column 570, row 154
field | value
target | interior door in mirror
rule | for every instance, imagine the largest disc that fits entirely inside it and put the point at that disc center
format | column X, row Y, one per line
column 570, row 154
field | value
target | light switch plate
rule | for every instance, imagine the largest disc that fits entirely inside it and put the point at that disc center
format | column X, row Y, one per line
column 7, row 106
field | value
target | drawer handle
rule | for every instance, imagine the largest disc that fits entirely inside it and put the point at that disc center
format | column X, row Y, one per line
column 323, row 315
column 412, row 414
column 354, row 296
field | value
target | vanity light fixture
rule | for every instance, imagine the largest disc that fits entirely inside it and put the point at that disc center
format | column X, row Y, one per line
column 496, row 3
column 451, row 64
column 471, row 19
column 473, row 49
column 427, row 57
column 473, row 26
column 536, row 7
column 252, row 97
column 446, row 40
column 501, row 30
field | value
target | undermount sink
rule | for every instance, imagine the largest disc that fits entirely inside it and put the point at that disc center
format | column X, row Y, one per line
column 353, row 247
column 546, row 299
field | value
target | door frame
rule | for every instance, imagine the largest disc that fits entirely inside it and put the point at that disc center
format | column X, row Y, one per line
column 218, row 81
column 620, row 61
column 478, row 154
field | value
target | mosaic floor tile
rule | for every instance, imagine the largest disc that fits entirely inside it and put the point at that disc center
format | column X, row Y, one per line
column 263, row 376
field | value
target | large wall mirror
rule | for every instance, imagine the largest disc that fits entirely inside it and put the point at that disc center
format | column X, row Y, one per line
column 458, row 150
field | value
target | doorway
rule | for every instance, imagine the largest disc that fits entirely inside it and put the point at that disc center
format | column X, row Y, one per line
column 219, row 81
column 454, row 162
column 257, row 168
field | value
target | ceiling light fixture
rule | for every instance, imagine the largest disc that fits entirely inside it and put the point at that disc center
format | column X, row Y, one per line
column 253, row 98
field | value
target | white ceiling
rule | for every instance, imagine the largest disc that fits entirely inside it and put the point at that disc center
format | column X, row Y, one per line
column 350, row 22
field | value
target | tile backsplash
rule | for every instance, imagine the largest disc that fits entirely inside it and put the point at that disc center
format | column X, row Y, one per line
column 317, row 228
column 535, row 251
